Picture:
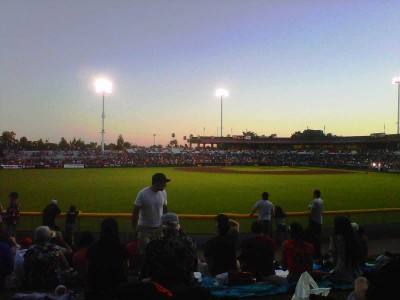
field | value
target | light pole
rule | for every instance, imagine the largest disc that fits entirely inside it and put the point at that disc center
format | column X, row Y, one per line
column 154, row 139
column 396, row 80
column 221, row 93
column 103, row 86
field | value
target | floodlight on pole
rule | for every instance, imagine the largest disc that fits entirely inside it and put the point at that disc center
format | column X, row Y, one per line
column 103, row 86
column 221, row 93
column 396, row 80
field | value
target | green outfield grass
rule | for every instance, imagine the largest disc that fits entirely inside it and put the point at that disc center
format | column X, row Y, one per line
column 114, row 190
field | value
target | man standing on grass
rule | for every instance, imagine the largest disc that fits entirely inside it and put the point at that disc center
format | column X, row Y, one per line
column 50, row 212
column 12, row 215
column 315, row 221
column 264, row 208
column 150, row 205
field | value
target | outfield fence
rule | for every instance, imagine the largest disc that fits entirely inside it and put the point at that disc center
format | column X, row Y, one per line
column 230, row 215
column 381, row 216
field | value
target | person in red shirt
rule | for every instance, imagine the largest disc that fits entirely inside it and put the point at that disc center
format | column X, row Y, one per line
column 79, row 261
column 258, row 254
column 297, row 254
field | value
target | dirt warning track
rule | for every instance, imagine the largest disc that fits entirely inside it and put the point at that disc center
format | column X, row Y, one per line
column 222, row 170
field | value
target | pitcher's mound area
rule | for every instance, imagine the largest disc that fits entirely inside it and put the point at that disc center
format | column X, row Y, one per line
column 278, row 171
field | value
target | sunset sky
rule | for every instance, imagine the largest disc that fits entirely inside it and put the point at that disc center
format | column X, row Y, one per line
column 288, row 66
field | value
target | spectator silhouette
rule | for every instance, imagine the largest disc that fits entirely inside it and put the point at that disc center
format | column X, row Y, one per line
column 6, row 258
column 43, row 262
column 258, row 254
column 79, row 261
column 70, row 218
column 171, row 259
column 11, row 216
column 24, row 243
column 150, row 205
column 297, row 254
column 1, row 218
column 315, row 221
column 220, row 251
column 346, row 251
column 107, row 263
column 50, row 212
column 362, row 239
column 280, row 225
column 265, row 209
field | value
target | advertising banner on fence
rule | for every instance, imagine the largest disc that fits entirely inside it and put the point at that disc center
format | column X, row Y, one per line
column 11, row 167
column 74, row 166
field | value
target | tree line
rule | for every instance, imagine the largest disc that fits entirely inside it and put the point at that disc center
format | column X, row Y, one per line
column 8, row 141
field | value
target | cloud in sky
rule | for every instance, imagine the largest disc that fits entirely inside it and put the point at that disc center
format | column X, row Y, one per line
column 288, row 66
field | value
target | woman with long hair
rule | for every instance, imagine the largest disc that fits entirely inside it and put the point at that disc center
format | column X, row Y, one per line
column 346, row 251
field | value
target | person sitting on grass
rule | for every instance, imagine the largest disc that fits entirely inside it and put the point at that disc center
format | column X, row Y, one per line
column 107, row 263
column 258, row 254
column 362, row 238
column 345, row 248
column 79, row 261
column 380, row 282
column 6, row 258
column 170, row 260
column 297, row 254
column 24, row 244
column 220, row 251
column 44, row 262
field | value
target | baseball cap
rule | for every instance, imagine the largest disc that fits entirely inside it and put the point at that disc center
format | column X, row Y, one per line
column 25, row 241
column 355, row 226
column 54, row 201
column 159, row 178
column 169, row 219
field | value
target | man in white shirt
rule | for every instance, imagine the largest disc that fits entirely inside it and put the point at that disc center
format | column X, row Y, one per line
column 264, row 208
column 150, row 205
column 315, row 221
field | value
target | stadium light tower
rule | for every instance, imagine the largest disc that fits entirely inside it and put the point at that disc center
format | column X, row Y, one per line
column 103, row 86
column 396, row 80
column 221, row 93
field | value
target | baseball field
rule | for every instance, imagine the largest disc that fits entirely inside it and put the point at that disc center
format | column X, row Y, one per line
column 204, row 191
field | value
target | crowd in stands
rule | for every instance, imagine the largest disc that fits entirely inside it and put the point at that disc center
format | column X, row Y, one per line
column 143, row 157
column 101, row 267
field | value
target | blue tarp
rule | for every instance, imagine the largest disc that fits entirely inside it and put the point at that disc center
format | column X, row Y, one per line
column 241, row 291
column 259, row 289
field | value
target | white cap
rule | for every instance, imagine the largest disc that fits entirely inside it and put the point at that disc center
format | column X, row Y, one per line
column 355, row 226
column 54, row 201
